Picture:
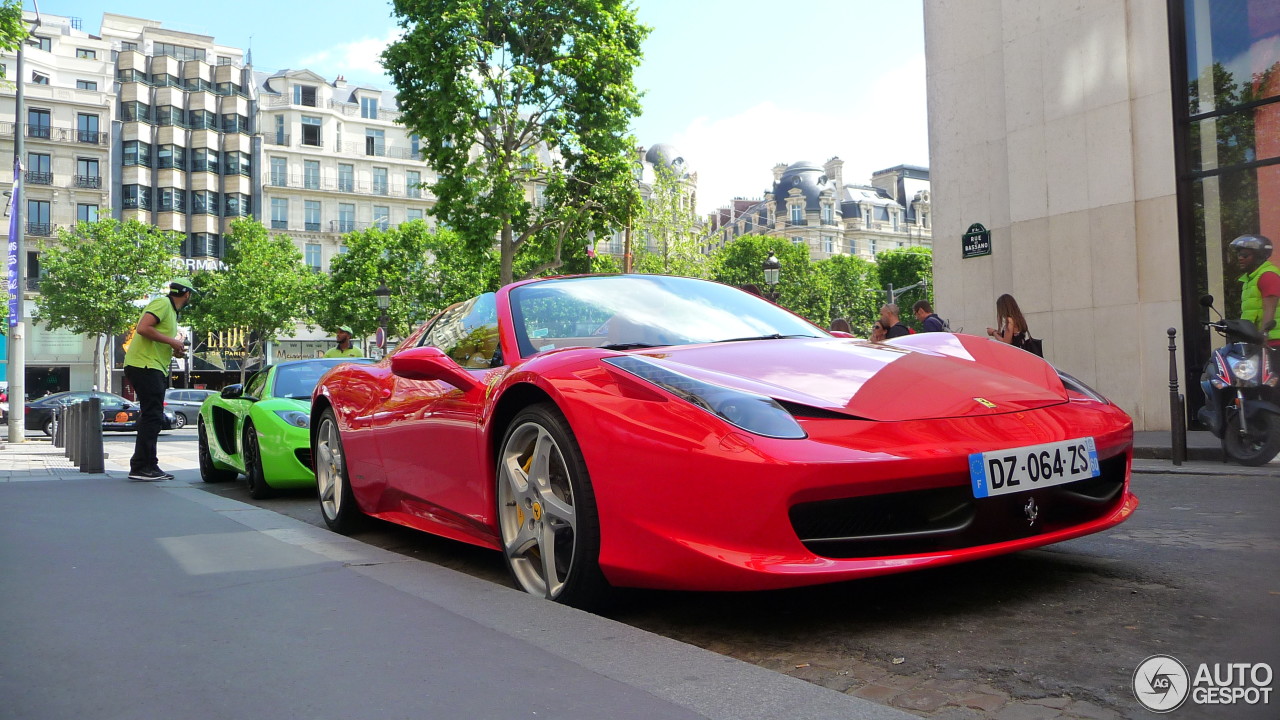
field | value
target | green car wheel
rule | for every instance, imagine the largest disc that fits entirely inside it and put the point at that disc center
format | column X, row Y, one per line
column 258, row 487
column 208, row 471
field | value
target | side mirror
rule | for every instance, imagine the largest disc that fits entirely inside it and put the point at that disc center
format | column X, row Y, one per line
column 430, row 363
column 232, row 392
column 1206, row 300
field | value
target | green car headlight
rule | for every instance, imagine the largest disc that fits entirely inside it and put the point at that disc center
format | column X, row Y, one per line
column 296, row 418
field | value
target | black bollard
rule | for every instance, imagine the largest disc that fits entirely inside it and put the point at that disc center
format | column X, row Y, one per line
column 72, row 419
column 1177, row 405
column 91, row 460
column 59, row 429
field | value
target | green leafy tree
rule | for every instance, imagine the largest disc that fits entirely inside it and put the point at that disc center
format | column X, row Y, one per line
column 904, row 267
column 426, row 271
column 95, row 275
column 265, row 289
column 801, row 289
column 12, row 30
column 855, row 290
column 668, row 222
column 512, row 95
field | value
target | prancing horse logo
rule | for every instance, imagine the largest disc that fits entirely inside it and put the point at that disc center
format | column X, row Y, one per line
column 985, row 403
column 1031, row 510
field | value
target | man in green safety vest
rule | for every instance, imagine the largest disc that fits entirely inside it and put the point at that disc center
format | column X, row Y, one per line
column 344, row 348
column 1260, row 289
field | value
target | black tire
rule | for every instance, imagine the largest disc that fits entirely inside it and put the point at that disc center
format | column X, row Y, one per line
column 208, row 472
column 179, row 421
column 338, row 503
column 48, row 427
column 1259, row 445
column 252, row 454
column 554, row 501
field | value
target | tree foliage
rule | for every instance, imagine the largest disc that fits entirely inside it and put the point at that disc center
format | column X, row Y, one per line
column 508, row 95
column 265, row 289
column 12, row 30
column 668, row 223
column 96, row 273
column 426, row 271
column 904, row 267
column 855, row 290
column 801, row 289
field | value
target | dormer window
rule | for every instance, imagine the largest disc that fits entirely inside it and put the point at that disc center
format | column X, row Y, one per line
column 369, row 108
column 797, row 215
column 304, row 95
column 827, row 214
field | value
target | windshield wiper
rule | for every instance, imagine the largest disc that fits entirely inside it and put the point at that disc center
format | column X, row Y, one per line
column 774, row 336
column 628, row 346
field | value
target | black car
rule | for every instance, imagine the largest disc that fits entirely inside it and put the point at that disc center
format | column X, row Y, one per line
column 118, row 413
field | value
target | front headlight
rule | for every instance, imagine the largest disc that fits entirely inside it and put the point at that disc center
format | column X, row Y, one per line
column 1076, row 386
column 296, row 418
column 1246, row 369
column 754, row 413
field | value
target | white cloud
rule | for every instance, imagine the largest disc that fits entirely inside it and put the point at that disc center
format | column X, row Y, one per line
column 870, row 127
column 357, row 60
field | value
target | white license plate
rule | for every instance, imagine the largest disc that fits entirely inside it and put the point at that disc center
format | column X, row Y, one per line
column 1002, row 472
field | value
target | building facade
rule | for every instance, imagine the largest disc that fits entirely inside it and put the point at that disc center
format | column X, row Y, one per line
column 811, row 205
column 1113, row 149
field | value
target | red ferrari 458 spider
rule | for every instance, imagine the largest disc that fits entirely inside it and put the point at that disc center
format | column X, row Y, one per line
column 662, row 432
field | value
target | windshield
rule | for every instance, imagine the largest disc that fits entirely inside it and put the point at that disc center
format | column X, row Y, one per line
column 297, row 380
column 635, row 311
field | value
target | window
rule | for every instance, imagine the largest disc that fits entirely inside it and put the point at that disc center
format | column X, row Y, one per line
column 232, row 122
column 468, row 333
column 165, row 80
column 381, row 186
column 227, row 88
column 42, row 43
column 172, row 200
column 346, row 217
column 304, row 95
column 413, row 214
column 311, row 131
column 369, row 108
column 412, row 184
column 828, row 244
column 236, row 205
column 797, row 215
column 282, row 138
column 346, row 178
column 381, row 217
column 894, row 216
column 86, row 85
column 235, row 163
column 136, row 152
column 136, row 197
column 311, row 215
column 343, row 249
column 39, row 79
column 38, row 218
column 279, row 213
column 204, row 202
column 375, row 142
column 311, row 174
column 86, row 212
column 415, row 145
column 38, row 124
column 168, row 115
column 87, row 174
column 171, row 156
column 279, row 172
column 39, row 169
column 86, row 53
column 201, row 120
column 312, row 254
column 127, row 46
column 179, row 51
column 223, row 60
column 204, row 160
column 827, row 214
column 135, row 112
column 204, row 245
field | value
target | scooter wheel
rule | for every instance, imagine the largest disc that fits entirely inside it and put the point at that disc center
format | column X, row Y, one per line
column 1256, row 447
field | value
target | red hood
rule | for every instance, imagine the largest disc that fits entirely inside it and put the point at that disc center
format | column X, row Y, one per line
column 928, row 375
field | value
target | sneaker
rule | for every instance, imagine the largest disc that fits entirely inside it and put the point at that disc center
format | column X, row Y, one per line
column 148, row 475
column 167, row 476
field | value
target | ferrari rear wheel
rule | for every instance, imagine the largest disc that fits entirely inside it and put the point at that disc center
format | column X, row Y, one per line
column 258, row 487
column 337, row 502
column 547, row 516
column 208, row 472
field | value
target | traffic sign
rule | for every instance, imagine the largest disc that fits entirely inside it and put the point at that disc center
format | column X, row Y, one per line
column 380, row 338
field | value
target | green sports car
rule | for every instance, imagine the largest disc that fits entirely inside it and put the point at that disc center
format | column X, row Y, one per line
column 261, row 428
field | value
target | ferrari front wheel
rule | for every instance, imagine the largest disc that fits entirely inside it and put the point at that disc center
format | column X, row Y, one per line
column 550, row 528
column 252, row 453
column 337, row 502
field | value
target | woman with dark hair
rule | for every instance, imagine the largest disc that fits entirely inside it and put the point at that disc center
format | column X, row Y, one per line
column 1011, row 326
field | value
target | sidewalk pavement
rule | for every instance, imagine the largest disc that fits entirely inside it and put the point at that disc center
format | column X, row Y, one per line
column 138, row 599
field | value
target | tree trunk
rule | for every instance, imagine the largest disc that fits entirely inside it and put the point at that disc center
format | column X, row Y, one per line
column 507, row 255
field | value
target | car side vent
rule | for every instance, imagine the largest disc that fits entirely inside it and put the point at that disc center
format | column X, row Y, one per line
column 808, row 411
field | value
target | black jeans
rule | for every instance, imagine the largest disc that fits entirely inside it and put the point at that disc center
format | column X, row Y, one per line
column 149, row 384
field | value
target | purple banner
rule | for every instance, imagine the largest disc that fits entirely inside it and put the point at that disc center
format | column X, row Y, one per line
column 14, row 237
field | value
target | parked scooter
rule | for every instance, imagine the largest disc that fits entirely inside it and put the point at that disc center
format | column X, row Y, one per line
column 1242, row 400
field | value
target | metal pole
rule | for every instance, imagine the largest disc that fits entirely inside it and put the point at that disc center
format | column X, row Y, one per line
column 17, row 281
column 1177, row 422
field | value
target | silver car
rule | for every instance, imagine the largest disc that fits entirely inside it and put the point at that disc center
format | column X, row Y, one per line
column 185, row 404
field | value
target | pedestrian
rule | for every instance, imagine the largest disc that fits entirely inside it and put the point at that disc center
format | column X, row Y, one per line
column 1011, row 327
column 146, row 365
column 894, row 327
column 344, row 348
column 1260, row 289
column 878, row 332
column 841, row 325
column 929, row 320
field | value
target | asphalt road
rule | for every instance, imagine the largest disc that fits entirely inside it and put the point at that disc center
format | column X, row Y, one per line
column 1194, row 574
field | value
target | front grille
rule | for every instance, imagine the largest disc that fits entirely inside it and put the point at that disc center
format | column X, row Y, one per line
column 922, row 521
column 304, row 456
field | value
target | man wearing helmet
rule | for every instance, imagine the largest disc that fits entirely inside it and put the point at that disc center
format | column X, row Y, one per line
column 146, row 365
column 1261, row 284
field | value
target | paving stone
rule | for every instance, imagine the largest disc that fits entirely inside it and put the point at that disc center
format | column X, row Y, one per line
column 1022, row 711
column 1053, row 702
column 877, row 693
column 982, row 701
column 1092, row 711
column 949, row 686
column 902, row 682
column 921, row 699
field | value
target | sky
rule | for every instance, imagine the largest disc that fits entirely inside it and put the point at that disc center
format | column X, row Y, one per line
column 736, row 86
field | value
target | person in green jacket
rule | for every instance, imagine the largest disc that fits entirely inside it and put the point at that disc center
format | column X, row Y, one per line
column 1260, row 284
column 146, row 365
column 344, row 348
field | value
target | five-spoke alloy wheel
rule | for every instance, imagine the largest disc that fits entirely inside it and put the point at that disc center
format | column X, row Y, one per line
column 337, row 502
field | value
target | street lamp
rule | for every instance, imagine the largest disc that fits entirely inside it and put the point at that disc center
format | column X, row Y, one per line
column 383, row 295
column 772, row 269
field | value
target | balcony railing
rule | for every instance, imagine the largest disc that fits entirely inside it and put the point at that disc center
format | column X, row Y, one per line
column 33, row 284
column 279, row 224
column 39, row 178
column 89, row 181
column 89, row 136
column 281, row 139
column 39, row 131
column 57, row 134
column 312, row 227
column 40, row 229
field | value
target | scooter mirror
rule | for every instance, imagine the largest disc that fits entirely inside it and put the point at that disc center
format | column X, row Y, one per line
column 1206, row 301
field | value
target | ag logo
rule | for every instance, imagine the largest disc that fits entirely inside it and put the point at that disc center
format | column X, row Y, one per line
column 1161, row 683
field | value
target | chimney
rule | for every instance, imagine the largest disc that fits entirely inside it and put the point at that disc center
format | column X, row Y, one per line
column 835, row 173
column 777, row 172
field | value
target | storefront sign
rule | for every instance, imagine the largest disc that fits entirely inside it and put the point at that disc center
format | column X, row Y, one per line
column 977, row 242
